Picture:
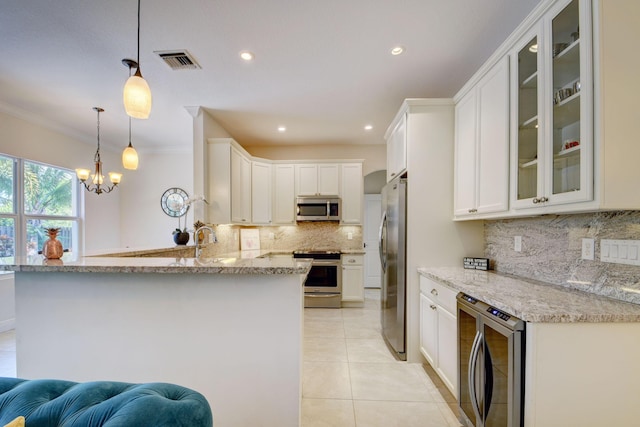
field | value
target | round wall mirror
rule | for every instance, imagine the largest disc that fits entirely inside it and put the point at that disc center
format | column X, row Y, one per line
column 174, row 202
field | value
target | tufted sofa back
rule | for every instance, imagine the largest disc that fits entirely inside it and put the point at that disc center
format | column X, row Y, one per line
column 53, row 403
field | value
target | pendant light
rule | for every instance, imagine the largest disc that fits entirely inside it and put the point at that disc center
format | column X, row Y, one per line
column 137, row 95
column 129, row 155
column 97, row 179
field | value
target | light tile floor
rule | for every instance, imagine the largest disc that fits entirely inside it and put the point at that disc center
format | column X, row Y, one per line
column 350, row 379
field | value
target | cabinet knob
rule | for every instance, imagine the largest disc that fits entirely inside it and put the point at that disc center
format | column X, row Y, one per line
column 535, row 200
column 433, row 307
column 434, row 292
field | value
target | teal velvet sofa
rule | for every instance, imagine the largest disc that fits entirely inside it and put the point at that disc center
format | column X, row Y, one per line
column 53, row 403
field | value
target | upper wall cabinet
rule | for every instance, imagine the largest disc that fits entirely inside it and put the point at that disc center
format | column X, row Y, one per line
column 318, row 179
column 482, row 146
column 552, row 125
column 397, row 149
column 352, row 193
column 260, row 193
column 284, row 193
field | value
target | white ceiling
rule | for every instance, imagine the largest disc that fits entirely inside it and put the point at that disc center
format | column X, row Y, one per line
column 323, row 69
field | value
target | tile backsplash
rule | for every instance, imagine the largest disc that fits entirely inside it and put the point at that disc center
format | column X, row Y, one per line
column 304, row 235
column 552, row 251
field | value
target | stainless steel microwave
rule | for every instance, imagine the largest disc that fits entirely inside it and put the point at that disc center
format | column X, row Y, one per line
column 318, row 208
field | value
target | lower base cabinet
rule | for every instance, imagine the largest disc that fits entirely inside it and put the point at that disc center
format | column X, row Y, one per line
column 352, row 280
column 438, row 330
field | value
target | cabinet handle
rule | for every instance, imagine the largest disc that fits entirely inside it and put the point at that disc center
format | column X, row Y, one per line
column 352, row 260
column 434, row 292
column 393, row 174
column 473, row 210
column 433, row 307
column 540, row 200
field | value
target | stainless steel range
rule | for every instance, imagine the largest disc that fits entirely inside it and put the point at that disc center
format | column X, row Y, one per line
column 323, row 286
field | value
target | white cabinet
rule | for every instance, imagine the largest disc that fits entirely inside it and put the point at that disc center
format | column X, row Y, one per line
column 240, row 188
column 229, row 182
column 351, row 193
column 397, row 149
column 318, row 179
column 482, row 146
column 284, row 194
column 438, row 330
column 260, row 193
column 352, row 278
column 552, row 132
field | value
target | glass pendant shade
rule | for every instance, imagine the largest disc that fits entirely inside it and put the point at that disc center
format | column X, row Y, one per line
column 130, row 158
column 137, row 97
column 83, row 174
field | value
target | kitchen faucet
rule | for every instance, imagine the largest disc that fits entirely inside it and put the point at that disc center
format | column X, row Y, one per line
column 199, row 245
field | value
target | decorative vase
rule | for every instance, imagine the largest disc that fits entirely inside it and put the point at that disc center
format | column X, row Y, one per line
column 181, row 238
column 52, row 248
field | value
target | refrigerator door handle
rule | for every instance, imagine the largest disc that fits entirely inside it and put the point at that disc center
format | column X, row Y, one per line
column 473, row 364
column 382, row 243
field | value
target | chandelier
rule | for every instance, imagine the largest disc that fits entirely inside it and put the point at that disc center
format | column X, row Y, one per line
column 96, row 183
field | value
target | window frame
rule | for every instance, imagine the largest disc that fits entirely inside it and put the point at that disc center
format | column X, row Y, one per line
column 21, row 218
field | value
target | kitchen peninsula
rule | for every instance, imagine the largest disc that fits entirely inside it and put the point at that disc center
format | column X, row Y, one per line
column 229, row 327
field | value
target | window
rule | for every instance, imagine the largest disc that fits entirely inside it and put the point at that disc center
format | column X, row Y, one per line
column 34, row 197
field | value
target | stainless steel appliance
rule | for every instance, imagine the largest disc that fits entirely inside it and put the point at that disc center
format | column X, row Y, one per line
column 316, row 208
column 323, row 286
column 393, row 233
column 491, row 365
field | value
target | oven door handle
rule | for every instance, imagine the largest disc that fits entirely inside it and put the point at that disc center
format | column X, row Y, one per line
column 325, row 262
column 473, row 365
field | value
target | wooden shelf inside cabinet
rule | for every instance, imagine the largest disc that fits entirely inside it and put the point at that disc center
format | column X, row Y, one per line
column 530, row 82
column 567, row 111
column 530, row 123
column 566, row 65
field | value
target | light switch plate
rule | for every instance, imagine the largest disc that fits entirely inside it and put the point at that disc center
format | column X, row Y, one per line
column 620, row 251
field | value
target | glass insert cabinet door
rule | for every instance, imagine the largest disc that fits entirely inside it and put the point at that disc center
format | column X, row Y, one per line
column 565, row 50
column 528, row 92
column 553, row 126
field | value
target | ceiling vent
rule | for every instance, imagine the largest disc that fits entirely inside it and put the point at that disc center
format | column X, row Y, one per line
column 178, row 60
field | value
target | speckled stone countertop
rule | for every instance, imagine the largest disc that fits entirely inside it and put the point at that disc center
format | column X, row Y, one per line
column 234, row 263
column 534, row 301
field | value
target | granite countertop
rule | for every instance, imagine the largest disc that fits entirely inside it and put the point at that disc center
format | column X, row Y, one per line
column 534, row 301
column 233, row 263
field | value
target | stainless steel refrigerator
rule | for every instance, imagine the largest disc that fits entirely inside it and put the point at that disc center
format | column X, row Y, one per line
column 393, row 248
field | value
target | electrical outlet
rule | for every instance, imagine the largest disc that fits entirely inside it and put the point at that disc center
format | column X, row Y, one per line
column 272, row 236
column 517, row 243
column 349, row 236
column 588, row 249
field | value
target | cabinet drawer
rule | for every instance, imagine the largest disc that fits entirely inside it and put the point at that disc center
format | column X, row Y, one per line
column 439, row 293
column 352, row 259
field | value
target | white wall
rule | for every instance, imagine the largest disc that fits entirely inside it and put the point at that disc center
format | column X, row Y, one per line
column 30, row 141
column 7, row 305
column 143, row 223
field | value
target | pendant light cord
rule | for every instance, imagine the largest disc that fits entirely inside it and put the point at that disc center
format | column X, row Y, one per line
column 96, row 158
column 138, row 34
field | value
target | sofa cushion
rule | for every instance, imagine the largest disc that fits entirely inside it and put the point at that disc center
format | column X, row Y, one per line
column 49, row 403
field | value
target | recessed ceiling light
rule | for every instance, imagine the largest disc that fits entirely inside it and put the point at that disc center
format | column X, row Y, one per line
column 368, row 127
column 246, row 55
column 397, row 50
column 281, row 128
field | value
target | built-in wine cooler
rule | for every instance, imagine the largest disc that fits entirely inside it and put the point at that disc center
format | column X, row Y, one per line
column 491, row 365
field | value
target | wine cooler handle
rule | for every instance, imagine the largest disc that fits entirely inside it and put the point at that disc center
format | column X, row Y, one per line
column 488, row 383
column 473, row 364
